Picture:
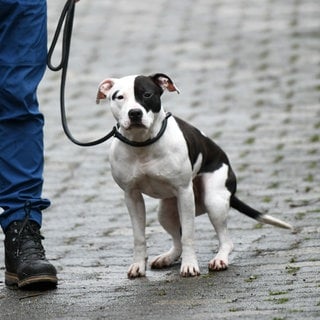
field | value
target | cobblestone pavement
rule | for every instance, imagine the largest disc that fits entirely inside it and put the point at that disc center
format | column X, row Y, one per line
column 249, row 74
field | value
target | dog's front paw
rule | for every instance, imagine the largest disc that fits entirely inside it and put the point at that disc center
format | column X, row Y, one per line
column 137, row 270
column 190, row 269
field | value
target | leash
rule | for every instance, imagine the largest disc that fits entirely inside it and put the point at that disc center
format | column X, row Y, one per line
column 66, row 19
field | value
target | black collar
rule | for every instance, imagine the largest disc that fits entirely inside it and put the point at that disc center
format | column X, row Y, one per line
column 118, row 135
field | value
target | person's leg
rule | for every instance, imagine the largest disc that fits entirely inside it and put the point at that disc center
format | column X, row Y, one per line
column 22, row 63
column 23, row 52
column 21, row 167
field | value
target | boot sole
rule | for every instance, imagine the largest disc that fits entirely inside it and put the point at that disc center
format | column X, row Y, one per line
column 33, row 282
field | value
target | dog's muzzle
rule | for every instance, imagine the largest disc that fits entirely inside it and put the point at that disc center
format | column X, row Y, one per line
column 135, row 116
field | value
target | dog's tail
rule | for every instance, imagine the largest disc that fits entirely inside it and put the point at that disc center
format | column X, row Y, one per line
column 252, row 213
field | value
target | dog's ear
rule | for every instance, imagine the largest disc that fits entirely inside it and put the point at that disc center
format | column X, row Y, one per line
column 103, row 89
column 164, row 82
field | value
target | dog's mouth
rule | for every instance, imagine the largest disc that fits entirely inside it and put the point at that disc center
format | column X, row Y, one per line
column 132, row 124
column 137, row 125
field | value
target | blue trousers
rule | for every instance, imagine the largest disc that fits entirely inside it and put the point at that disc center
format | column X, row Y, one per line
column 23, row 51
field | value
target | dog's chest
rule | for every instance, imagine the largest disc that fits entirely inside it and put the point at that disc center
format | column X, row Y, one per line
column 155, row 186
column 157, row 173
column 158, row 170
column 152, row 177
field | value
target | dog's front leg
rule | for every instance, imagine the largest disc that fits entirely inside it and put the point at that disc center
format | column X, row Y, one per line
column 136, row 208
column 186, row 208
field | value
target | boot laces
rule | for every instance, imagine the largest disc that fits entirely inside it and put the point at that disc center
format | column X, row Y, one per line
column 29, row 238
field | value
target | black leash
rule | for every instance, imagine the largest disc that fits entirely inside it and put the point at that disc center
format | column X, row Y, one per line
column 66, row 18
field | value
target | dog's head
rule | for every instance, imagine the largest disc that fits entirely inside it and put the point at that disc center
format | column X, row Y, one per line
column 135, row 100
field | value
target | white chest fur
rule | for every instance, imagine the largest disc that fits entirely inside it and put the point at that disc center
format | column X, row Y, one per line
column 157, row 170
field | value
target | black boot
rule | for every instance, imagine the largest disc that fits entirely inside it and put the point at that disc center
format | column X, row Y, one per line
column 25, row 260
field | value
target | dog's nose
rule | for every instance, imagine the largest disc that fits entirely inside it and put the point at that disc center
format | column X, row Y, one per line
column 135, row 114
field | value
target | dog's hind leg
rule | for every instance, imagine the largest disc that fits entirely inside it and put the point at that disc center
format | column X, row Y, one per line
column 169, row 219
column 216, row 202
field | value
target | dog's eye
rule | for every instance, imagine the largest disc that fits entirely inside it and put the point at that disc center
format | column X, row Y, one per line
column 120, row 97
column 147, row 95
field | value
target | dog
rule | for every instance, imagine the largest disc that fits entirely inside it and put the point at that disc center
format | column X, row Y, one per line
column 164, row 157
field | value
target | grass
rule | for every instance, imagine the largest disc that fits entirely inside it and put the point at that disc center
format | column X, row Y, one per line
column 293, row 259
column 280, row 146
column 292, row 270
column 251, row 278
column 315, row 138
column 278, row 158
column 258, row 226
column 281, row 300
column 161, row 292
column 250, row 140
column 253, row 128
column 277, row 293
column 300, row 215
column 309, row 178
column 267, row 199
column 259, row 103
column 273, row 185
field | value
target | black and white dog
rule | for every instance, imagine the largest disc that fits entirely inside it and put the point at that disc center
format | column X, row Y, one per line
column 166, row 158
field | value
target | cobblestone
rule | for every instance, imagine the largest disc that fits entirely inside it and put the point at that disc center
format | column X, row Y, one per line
column 249, row 75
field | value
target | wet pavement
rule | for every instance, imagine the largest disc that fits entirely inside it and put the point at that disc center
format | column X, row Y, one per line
column 249, row 75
